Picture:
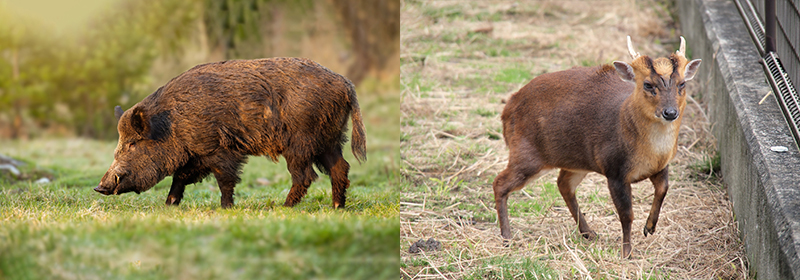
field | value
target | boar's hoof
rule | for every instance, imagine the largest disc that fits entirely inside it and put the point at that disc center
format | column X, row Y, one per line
column 289, row 203
column 172, row 200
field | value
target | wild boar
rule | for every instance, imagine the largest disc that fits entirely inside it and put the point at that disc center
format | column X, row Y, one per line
column 211, row 117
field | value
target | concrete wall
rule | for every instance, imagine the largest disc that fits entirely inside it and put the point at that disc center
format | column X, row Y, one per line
column 763, row 185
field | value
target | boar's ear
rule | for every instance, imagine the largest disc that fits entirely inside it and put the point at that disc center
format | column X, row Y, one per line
column 118, row 112
column 139, row 122
column 156, row 127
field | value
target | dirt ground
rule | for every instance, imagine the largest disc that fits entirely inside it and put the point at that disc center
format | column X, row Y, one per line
column 459, row 61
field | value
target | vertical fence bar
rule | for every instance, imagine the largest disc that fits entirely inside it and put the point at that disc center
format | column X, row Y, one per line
column 769, row 22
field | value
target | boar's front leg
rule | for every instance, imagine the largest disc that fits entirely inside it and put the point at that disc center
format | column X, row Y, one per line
column 226, row 170
column 188, row 174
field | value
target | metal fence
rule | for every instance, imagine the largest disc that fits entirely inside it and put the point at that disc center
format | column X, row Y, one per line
column 775, row 28
column 787, row 32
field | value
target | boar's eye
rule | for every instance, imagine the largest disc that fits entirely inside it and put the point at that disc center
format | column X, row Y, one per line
column 118, row 177
column 131, row 145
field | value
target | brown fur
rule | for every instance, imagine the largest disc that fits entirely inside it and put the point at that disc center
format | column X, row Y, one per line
column 590, row 120
column 208, row 119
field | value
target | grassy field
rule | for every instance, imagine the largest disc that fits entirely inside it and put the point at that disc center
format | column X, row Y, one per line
column 460, row 61
column 65, row 230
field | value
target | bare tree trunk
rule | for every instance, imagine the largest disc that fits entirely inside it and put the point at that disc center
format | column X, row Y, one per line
column 374, row 29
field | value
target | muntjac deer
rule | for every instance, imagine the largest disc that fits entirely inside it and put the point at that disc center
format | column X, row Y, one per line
column 621, row 121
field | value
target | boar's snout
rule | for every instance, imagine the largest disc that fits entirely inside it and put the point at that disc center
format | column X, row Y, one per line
column 110, row 182
column 103, row 190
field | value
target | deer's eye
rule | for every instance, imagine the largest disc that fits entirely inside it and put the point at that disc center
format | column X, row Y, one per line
column 648, row 87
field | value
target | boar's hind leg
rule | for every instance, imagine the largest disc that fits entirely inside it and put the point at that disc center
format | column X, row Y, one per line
column 186, row 175
column 333, row 164
column 302, row 176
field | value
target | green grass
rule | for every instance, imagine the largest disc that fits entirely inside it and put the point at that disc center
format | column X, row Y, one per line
column 448, row 13
column 513, row 75
column 418, row 83
column 484, row 112
column 499, row 80
column 493, row 47
column 547, row 197
column 66, row 230
column 456, row 12
column 708, row 166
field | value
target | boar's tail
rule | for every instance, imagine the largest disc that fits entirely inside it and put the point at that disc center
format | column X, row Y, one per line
column 358, row 140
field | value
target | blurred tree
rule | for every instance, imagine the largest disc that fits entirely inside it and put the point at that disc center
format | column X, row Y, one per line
column 21, row 45
column 75, row 82
column 240, row 28
column 374, row 29
column 57, row 81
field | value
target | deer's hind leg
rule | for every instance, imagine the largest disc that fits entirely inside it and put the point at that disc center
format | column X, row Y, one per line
column 522, row 167
column 568, row 181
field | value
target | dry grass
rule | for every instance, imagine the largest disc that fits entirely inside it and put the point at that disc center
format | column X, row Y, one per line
column 460, row 60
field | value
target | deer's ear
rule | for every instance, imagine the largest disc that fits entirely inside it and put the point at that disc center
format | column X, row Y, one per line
column 625, row 71
column 691, row 69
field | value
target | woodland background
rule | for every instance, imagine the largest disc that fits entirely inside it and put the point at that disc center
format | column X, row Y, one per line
column 60, row 77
